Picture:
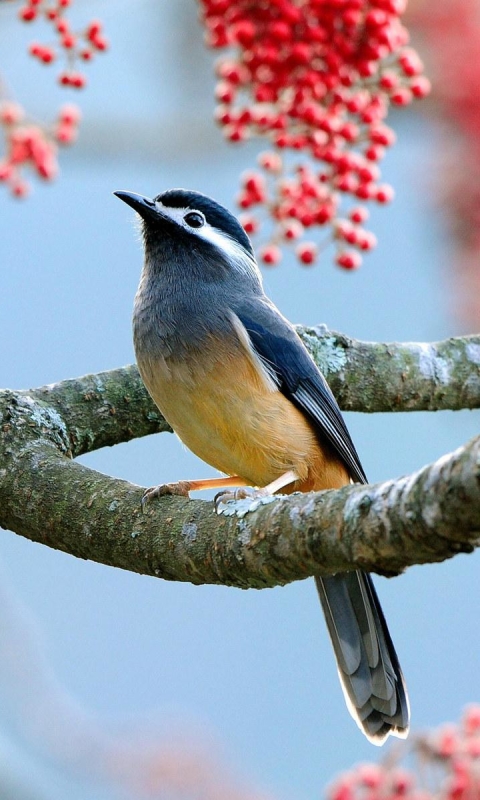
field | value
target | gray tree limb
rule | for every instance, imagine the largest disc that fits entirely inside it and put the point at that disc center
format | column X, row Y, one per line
column 406, row 376
column 112, row 407
column 49, row 498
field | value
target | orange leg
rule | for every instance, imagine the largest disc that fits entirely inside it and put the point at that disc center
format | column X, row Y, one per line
column 284, row 480
column 183, row 488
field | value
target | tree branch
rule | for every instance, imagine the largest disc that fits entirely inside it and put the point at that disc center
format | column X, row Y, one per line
column 112, row 407
column 408, row 376
column 47, row 497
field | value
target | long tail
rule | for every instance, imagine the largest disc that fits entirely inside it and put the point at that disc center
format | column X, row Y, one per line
column 368, row 667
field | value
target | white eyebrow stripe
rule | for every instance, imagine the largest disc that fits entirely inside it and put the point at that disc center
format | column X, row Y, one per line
column 245, row 262
column 229, row 246
column 215, row 236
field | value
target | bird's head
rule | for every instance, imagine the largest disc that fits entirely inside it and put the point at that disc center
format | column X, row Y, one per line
column 188, row 229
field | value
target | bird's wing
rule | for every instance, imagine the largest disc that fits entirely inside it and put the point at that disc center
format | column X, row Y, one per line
column 284, row 355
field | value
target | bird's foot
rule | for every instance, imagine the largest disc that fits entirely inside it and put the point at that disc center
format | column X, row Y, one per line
column 180, row 488
column 238, row 494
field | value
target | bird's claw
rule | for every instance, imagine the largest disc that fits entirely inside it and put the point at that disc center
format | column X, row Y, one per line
column 236, row 494
column 180, row 488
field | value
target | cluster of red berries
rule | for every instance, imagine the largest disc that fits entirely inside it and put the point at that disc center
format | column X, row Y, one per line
column 316, row 77
column 449, row 755
column 75, row 45
column 27, row 144
column 30, row 144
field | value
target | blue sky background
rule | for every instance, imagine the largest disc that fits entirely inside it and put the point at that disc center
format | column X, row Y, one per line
column 250, row 671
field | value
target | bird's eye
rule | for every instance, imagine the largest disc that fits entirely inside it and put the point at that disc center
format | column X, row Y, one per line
column 194, row 219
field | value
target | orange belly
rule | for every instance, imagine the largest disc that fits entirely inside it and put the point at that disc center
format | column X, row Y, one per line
column 229, row 414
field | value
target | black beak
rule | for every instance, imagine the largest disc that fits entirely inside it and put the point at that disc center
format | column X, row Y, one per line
column 142, row 205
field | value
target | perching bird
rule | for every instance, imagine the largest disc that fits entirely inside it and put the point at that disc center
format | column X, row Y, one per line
column 235, row 382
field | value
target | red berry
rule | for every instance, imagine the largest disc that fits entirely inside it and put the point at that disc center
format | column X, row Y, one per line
column 47, row 167
column 366, row 191
column 65, row 134
column 27, row 14
column 270, row 161
column 410, row 62
column 292, row 230
column 225, row 93
column 359, row 214
column 244, row 32
column 68, row 41
column 389, row 80
column 93, row 29
column 6, row 171
column 62, row 26
column 78, row 81
column 471, row 719
column 349, row 131
column 420, row 86
column 280, row 31
column 375, row 152
column 99, row 42
column 70, row 115
column 20, row 188
column 306, row 252
column 270, row 255
column 382, row 134
column 249, row 223
column 384, row 193
column 348, row 259
column 47, row 55
column 10, row 113
column 366, row 240
column 401, row 96
column 402, row 782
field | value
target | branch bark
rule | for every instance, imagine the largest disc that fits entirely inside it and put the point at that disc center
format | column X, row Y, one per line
column 407, row 376
column 47, row 497
column 112, row 407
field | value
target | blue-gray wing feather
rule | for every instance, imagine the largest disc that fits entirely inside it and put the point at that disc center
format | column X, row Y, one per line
column 367, row 662
column 284, row 354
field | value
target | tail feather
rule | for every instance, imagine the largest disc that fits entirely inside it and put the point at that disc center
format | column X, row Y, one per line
column 368, row 667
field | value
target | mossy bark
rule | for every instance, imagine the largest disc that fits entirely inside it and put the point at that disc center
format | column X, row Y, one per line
column 48, row 497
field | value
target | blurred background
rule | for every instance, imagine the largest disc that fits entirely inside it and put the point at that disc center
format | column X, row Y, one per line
column 115, row 685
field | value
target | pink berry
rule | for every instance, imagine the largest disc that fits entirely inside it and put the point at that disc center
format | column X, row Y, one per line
column 471, row 719
column 6, row 171
column 384, row 193
column 270, row 255
column 359, row 214
column 27, row 14
column 20, row 188
column 70, row 114
column 10, row 113
column 348, row 259
column 249, row 223
column 306, row 253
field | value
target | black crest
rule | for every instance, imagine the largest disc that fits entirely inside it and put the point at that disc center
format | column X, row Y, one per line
column 215, row 214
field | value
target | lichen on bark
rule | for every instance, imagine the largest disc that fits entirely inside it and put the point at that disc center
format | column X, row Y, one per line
column 46, row 496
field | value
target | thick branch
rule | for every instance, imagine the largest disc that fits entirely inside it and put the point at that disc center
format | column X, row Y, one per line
column 408, row 376
column 102, row 409
column 112, row 407
column 48, row 498
column 426, row 517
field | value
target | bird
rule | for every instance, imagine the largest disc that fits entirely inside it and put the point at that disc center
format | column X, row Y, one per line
column 234, row 380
